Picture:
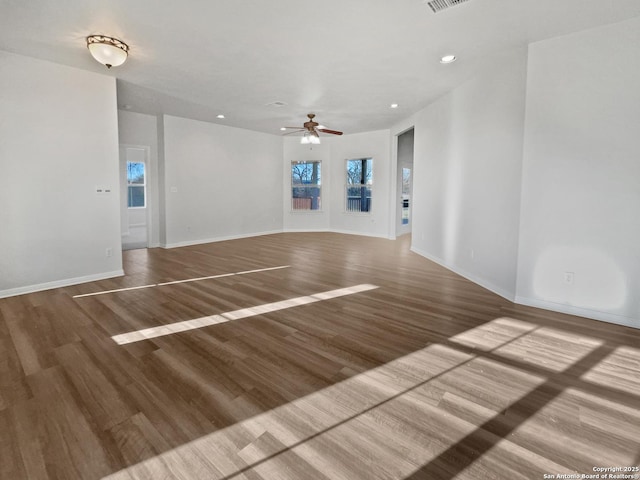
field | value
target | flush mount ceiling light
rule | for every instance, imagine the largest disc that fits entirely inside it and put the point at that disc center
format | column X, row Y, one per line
column 393, row 105
column 448, row 59
column 220, row 116
column 109, row 51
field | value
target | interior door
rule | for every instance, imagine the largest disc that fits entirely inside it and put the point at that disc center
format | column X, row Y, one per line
column 134, row 178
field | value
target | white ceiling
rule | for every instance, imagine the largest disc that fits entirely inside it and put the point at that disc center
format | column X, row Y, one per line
column 345, row 60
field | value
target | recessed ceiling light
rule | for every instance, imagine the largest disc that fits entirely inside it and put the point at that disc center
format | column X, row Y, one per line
column 283, row 129
column 448, row 59
column 220, row 116
column 394, row 105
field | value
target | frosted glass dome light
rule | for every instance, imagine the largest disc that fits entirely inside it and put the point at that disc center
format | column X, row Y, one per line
column 109, row 51
column 310, row 138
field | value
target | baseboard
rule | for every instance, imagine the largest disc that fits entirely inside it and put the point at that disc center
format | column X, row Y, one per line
column 67, row 282
column 531, row 302
column 362, row 234
column 306, row 230
column 579, row 311
column 190, row 243
column 331, row 230
column 469, row 276
column 259, row 234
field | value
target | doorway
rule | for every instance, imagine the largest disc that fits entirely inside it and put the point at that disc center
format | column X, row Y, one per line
column 134, row 198
column 405, row 183
column 406, row 196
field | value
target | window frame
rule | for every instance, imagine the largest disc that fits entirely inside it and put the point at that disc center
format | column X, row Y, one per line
column 143, row 185
column 317, row 185
column 369, row 184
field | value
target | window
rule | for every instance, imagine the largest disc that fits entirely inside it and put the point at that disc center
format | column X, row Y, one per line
column 359, row 184
column 306, row 186
column 136, row 183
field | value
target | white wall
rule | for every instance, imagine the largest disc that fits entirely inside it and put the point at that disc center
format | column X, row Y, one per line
column 467, row 174
column 374, row 145
column 58, row 141
column 220, row 182
column 141, row 130
column 581, row 188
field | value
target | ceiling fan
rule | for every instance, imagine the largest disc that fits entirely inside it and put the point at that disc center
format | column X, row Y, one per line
column 311, row 130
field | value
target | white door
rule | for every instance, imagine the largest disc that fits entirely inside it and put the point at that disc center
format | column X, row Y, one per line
column 134, row 178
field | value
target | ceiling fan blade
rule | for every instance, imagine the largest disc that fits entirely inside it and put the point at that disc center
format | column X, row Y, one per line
column 295, row 131
column 326, row 130
column 297, row 128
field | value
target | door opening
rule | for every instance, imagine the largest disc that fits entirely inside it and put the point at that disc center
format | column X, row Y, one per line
column 405, row 183
column 406, row 196
column 134, row 178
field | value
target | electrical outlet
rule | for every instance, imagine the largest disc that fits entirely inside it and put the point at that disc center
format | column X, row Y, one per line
column 109, row 252
column 568, row 278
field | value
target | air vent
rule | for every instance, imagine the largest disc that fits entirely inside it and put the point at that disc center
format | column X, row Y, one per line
column 439, row 5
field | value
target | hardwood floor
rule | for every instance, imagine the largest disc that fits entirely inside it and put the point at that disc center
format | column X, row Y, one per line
column 427, row 376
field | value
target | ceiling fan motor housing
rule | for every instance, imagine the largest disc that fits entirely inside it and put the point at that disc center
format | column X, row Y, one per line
column 310, row 125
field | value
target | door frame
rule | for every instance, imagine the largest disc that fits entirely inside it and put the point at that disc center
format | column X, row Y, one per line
column 396, row 197
column 124, row 189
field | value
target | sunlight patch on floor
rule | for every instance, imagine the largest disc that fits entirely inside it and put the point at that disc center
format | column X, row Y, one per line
column 388, row 421
column 413, row 413
column 619, row 371
column 550, row 348
column 334, row 419
column 493, row 334
column 175, row 282
column 192, row 324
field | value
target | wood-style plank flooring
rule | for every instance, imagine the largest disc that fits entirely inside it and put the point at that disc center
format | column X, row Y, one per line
column 428, row 376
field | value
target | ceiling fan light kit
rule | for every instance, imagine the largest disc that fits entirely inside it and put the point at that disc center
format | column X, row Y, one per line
column 310, row 138
column 109, row 51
